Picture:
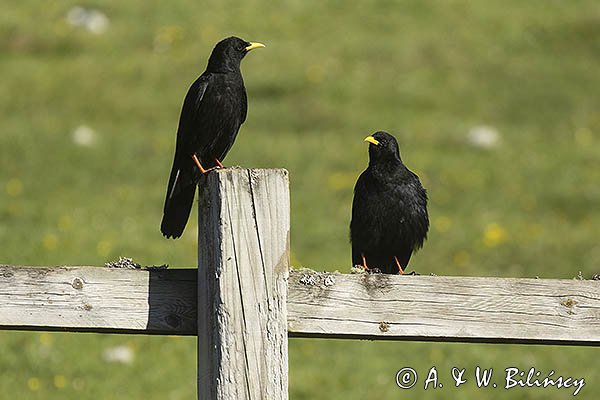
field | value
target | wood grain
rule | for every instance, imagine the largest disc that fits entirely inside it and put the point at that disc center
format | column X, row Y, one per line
column 98, row 299
column 424, row 308
column 435, row 308
column 243, row 267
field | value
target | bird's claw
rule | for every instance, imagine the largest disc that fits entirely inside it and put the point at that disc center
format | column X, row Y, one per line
column 206, row 171
column 201, row 168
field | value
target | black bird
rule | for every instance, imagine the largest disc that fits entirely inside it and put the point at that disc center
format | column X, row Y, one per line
column 213, row 110
column 389, row 210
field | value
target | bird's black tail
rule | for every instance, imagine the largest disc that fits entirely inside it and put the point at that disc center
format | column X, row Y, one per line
column 178, row 202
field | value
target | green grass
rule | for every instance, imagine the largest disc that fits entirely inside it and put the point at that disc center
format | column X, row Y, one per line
column 333, row 72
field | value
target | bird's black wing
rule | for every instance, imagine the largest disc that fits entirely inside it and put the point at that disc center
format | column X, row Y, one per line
column 222, row 113
column 195, row 105
column 417, row 210
column 244, row 107
column 362, row 224
column 182, row 180
column 212, row 122
column 409, row 209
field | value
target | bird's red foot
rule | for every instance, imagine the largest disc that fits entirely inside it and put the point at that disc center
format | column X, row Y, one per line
column 219, row 163
column 400, row 270
column 202, row 170
column 364, row 264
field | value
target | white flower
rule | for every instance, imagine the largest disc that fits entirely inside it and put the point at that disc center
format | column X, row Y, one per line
column 485, row 137
column 84, row 136
column 93, row 20
column 118, row 354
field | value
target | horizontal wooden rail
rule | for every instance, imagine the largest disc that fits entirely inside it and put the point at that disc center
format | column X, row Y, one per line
column 362, row 306
column 99, row 299
column 437, row 308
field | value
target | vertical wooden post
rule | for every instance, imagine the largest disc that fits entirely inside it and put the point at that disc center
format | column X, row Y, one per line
column 243, row 246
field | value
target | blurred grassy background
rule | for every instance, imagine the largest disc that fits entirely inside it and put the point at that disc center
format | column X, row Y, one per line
column 89, row 109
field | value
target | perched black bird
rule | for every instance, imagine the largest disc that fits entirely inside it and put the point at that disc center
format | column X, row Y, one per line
column 213, row 110
column 389, row 211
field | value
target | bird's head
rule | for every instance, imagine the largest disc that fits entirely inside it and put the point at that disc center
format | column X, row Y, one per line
column 228, row 53
column 382, row 146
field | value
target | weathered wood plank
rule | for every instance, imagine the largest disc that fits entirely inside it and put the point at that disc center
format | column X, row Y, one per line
column 497, row 310
column 98, row 299
column 243, row 267
column 436, row 308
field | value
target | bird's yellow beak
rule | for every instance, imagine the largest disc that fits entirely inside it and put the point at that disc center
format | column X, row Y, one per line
column 371, row 139
column 254, row 45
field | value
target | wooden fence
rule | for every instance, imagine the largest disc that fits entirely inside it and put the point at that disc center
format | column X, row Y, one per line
column 247, row 302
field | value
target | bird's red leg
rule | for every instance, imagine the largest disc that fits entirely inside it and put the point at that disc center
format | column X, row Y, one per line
column 219, row 163
column 202, row 170
column 364, row 262
column 399, row 266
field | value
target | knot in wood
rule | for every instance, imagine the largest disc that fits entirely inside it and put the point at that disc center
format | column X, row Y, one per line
column 569, row 303
column 384, row 326
column 77, row 283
